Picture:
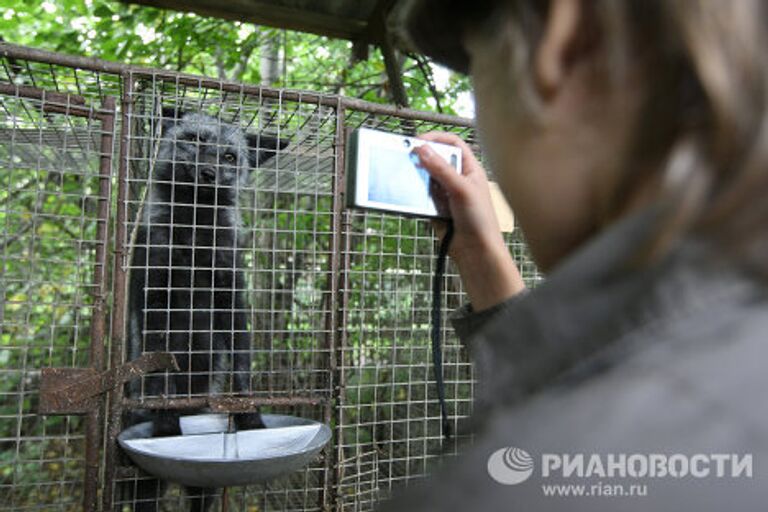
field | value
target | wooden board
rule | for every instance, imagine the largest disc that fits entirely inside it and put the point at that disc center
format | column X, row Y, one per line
column 503, row 211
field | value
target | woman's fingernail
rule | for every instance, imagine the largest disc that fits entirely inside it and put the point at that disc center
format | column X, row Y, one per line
column 425, row 152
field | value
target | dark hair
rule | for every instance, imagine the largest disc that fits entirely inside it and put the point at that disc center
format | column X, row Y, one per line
column 703, row 129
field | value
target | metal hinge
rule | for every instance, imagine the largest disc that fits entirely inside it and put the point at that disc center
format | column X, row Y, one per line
column 77, row 390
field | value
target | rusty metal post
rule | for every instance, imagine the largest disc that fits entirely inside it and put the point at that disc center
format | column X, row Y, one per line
column 342, row 328
column 98, row 320
column 73, row 105
column 55, row 102
column 337, row 313
column 114, row 422
column 331, row 460
column 225, row 499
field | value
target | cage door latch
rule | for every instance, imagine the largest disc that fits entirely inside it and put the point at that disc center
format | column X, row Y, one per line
column 77, row 390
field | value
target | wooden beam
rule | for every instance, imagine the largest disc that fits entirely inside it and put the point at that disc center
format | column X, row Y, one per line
column 263, row 12
column 394, row 74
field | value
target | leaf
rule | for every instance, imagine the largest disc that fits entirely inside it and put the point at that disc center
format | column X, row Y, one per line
column 103, row 11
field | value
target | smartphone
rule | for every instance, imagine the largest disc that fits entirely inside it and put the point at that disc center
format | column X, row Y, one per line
column 383, row 174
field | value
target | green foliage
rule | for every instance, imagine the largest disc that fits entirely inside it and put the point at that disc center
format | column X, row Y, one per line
column 47, row 198
column 214, row 47
column 47, row 213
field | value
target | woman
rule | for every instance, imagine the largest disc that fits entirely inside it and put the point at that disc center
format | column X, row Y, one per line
column 631, row 139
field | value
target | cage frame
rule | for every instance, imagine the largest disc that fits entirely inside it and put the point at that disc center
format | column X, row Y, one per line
column 101, row 469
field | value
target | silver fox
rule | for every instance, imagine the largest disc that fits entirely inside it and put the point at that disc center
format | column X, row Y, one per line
column 186, row 289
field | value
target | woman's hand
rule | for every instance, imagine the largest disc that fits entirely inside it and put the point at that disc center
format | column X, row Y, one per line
column 487, row 269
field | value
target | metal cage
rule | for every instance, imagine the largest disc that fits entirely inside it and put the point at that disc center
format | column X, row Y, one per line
column 338, row 302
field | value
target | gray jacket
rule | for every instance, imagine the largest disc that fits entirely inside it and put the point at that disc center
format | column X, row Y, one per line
column 612, row 379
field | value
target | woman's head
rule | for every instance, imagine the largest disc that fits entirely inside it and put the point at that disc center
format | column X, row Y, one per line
column 590, row 108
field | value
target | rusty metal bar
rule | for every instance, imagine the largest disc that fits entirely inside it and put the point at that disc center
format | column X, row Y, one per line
column 341, row 228
column 103, row 66
column 26, row 91
column 117, row 334
column 75, row 391
column 225, row 499
column 72, row 61
column 100, row 271
column 333, row 303
column 220, row 403
column 31, row 54
column 405, row 113
column 98, row 321
column 59, row 103
column 343, row 337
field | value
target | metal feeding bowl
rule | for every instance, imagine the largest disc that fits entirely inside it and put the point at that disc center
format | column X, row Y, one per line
column 206, row 455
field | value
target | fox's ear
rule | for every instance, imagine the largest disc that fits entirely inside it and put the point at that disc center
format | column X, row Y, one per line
column 169, row 116
column 262, row 147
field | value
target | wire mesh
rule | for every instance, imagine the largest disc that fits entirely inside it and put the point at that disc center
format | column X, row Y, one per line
column 333, row 306
column 285, row 222
column 52, row 147
column 388, row 412
column 283, row 242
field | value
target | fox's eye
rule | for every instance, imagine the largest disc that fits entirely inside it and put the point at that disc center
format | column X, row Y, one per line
column 229, row 157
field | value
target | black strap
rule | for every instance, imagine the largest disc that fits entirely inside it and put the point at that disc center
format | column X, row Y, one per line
column 437, row 353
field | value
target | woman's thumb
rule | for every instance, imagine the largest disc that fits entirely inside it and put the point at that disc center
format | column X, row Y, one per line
column 438, row 168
